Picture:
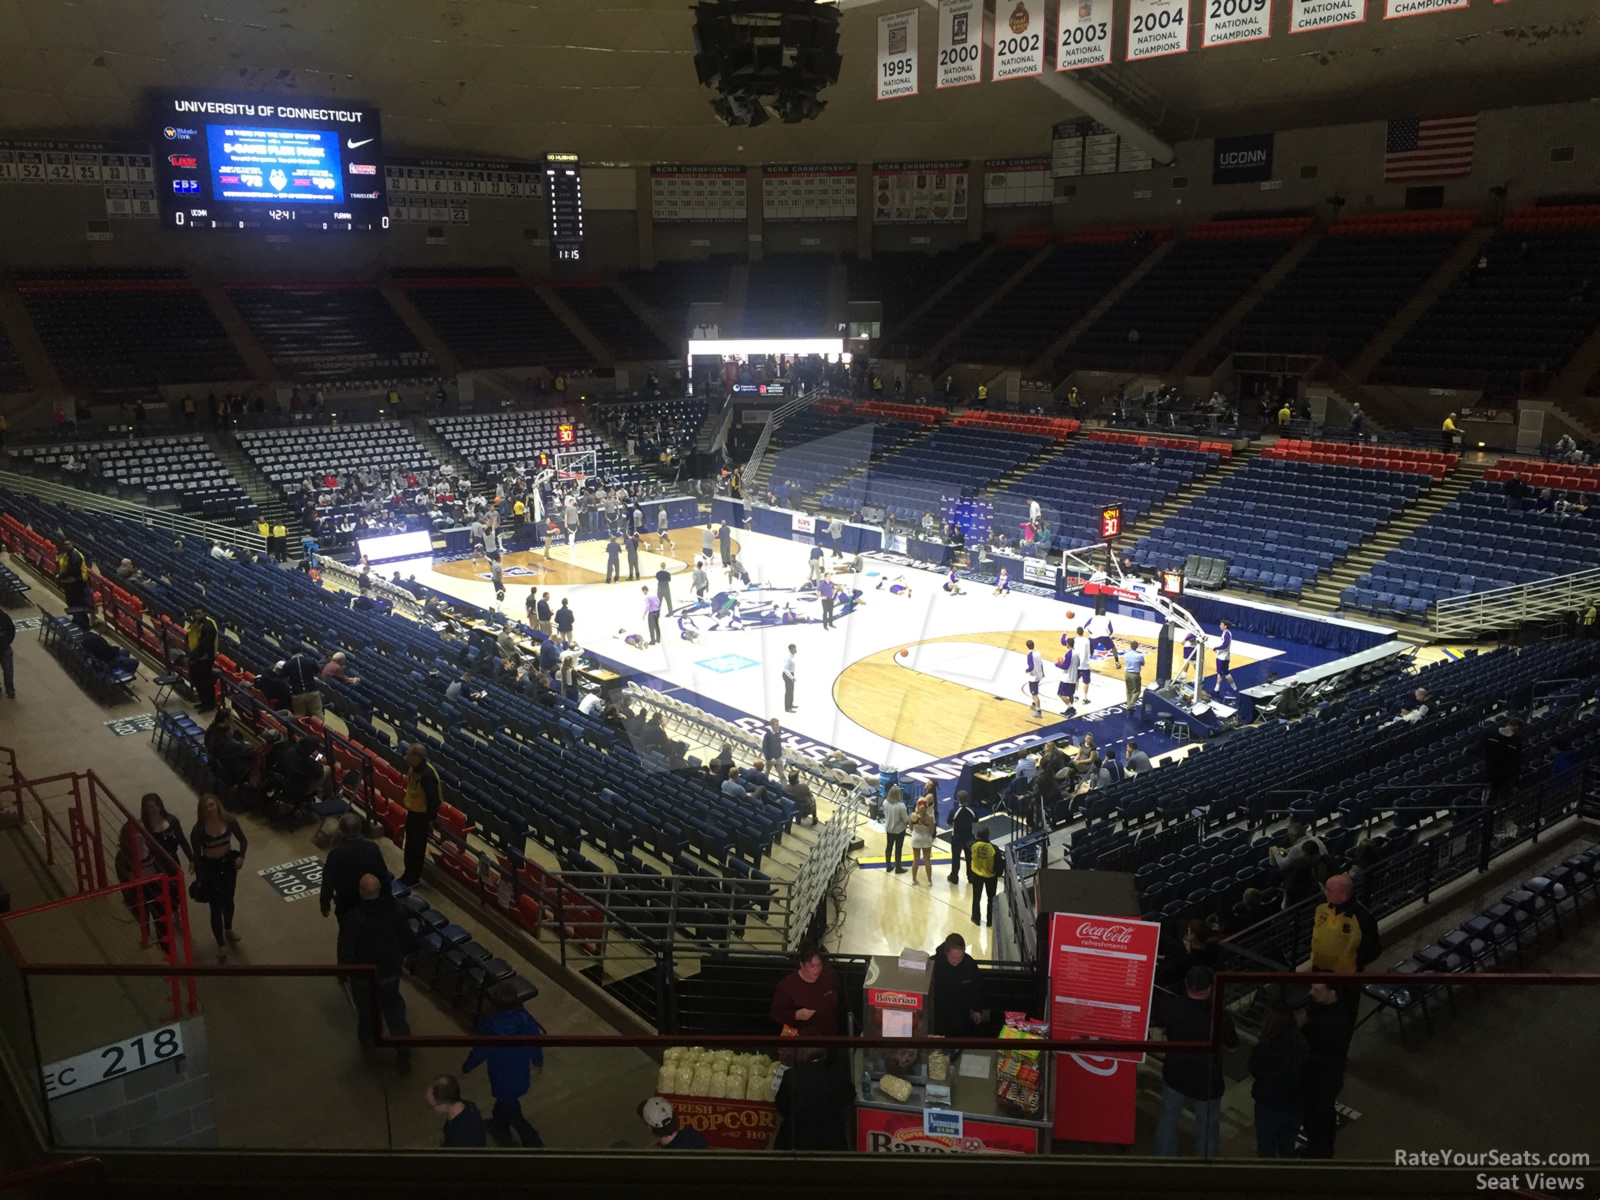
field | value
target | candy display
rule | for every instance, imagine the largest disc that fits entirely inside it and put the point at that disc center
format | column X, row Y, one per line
column 1017, row 1071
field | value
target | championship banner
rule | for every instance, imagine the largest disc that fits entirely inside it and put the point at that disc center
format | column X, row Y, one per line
column 1018, row 40
column 1415, row 8
column 960, row 43
column 1016, row 182
column 805, row 192
column 1306, row 16
column 696, row 193
column 1083, row 34
column 1102, row 979
column 1157, row 28
column 919, row 193
column 897, row 54
column 1230, row 21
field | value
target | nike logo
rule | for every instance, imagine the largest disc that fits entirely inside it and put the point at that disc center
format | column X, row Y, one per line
column 350, row 145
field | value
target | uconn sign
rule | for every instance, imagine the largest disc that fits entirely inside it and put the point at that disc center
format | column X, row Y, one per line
column 1242, row 159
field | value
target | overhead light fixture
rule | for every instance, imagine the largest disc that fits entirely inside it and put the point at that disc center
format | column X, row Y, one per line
column 766, row 57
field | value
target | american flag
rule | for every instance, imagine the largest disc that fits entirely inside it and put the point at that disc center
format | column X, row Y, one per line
column 1430, row 148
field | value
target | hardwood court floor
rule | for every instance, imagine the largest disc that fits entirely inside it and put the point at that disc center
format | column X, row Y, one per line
column 941, row 717
column 586, row 562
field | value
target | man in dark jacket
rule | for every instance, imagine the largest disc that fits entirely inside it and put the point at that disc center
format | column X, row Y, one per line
column 463, row 1123
column 958, row 1002
column 772, row 747
column 202, row 646
column 510, row 1067
column 72, row 572
column 1502, row 759
column 374, row 933
column 302, row 672
column 962, row 823
column 1191, row 1079
column 1330, row 1024
column 814, row 1104
column 275, row 687
column 352, row 858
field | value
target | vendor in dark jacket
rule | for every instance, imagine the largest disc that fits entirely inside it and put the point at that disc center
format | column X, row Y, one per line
column 959, row 1009
column 807, row 998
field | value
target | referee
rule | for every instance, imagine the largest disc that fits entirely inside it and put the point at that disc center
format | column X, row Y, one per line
column 1133, row 675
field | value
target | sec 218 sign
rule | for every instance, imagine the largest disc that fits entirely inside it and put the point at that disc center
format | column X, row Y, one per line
column 1110, row 522
column 113, row 1061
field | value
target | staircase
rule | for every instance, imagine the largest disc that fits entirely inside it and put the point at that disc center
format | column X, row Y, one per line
column 1360, row 368
column 936, row 352
column 1043, row 366
column 439, row 448
column 1323, row 597
column 1253, row 296
column 1185, row 496
column 274, row 508
column 857, row 472
column 250, row 351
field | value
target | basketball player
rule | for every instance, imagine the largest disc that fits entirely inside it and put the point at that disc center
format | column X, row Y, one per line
column 634, row 641
column 1002, row 585
column 497, row 577
column 1069, row 682
column 1190, row 650
column 951, row 586
column 687, row 629
column 1035, row 672
column 1100, row 636
column 1224, row 657
column 1080, row 660
column 897, row 586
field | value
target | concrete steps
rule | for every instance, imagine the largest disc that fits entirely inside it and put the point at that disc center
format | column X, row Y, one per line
column 412, row 318
column 1185, row 496
column 233, row 323
column 274, row 508
column 1360, row 368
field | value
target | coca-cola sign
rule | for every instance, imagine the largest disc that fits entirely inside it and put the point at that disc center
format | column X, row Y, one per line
column 1120, row 934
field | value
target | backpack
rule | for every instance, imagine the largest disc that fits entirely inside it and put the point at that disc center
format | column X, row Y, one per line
column 1335, row 938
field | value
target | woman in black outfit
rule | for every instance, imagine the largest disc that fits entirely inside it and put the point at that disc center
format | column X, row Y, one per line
column 155, row 826
column 1278, row 1064
column 217, row 865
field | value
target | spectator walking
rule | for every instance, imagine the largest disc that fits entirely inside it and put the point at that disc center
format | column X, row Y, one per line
column 564, row 621
column 72, row 572
column 923, row 825
column 807, row 999
column 963, row 823
column 1502, row 759
column 511, row 1068
column 699, row 581
column 772, row 747
column 788, row 680
column 987, row 862
column 463, row 1123
column 374, row 933
column 725, row 543
column 8, row 637
column 216, row 867
column 1191, row 1079
column 1133, row 675
column 1278, row 1067
column 895, row 822
column 652, row 615
column 814, row 1104
column 1329, row 1026
column 423, row 795
column 353, row 856
column 302, row 672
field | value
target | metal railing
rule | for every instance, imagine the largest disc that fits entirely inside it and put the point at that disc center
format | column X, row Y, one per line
column 1506, row 608
column 153, row 518
column 349, row 577
column 779, row 415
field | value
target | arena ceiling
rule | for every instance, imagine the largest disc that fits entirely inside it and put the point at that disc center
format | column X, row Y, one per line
column 614, row 79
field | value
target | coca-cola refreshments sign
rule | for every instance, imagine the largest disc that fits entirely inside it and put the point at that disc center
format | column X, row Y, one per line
column 1120, row 934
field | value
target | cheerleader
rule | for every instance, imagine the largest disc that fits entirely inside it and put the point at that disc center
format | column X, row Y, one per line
column 1002, row 585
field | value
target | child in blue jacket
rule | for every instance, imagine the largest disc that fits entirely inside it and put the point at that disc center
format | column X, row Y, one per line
column 510, row 1067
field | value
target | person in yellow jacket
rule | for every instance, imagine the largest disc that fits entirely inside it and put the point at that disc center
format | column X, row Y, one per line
column 983, row 395
column 986, row 864
column 1344, row 933
column 1448, row 431
column 424, row 793
column 279, row 546
column 202, row 642
column 1285, row 415
column 72, row 573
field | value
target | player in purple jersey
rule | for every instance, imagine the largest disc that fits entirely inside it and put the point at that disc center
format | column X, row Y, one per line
column 1002, row 585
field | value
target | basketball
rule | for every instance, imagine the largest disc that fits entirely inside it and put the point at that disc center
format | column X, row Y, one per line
column 903, row 656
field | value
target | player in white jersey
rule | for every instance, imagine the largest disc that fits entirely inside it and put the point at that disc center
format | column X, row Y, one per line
column 1100, row 631
column 1080, row 660
column 1069, row 681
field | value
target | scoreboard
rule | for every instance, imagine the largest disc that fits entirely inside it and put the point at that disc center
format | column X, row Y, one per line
column 231, row 161
column 564, row 181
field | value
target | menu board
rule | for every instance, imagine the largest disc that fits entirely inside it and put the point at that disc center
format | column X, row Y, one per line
column 685, row 193
column 1016, row 182
column 808, row 193
column 1102, row 975
column 919, row 193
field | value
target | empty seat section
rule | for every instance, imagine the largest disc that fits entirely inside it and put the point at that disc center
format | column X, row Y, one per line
column 948, row 463
column 918, row 336
column 494, row 320
column 787, row 296
column 330, row 332
column 605, row 315
column 182, row 471
column 902, row 279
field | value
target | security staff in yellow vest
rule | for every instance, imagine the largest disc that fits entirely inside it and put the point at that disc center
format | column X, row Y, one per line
column 983, row 395
column 1344, row 933
column 202, row 640
column 424, row 791
column 987, row 863
column 72, row 573
column 278, row 547
column 264, row 528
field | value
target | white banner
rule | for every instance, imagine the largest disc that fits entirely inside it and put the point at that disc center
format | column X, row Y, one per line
column 1157, row 27
column 1413, row 8
column 804, row 523
column 1229, row 21
column 1083, row 37
column 1306, row 16
column 897, row 54
column 1018, row 39
column 960, row 43
column 1039, row 570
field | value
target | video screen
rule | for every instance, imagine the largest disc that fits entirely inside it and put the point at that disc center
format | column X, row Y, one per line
column 269, row 163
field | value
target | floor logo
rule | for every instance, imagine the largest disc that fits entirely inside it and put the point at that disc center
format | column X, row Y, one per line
column 515, row 572
column 295, row 880
column 726, row 664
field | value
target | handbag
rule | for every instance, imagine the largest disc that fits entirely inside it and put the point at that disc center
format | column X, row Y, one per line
column 198, row 891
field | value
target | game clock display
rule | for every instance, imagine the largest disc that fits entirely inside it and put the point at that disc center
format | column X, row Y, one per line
column 564, row 181
column 1110, row 522
column 276, row 163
